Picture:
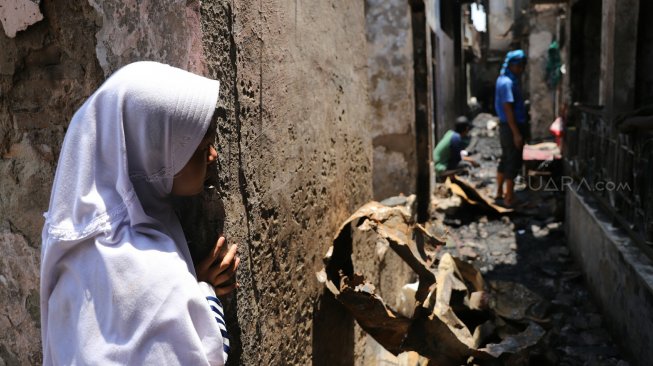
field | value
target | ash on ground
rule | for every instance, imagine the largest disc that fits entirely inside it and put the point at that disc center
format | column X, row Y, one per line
column 528, row 247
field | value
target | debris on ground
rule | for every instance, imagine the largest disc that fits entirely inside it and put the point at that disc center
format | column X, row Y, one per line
column 468, row 191
column 455, row 314
column 534, row 295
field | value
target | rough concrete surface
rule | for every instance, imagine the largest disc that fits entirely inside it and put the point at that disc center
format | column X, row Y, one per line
column 391, row 90
column 542, row 97
column 295, row 153
column 500, row 18
column 613, row 264
column 46, row 71
column 446, row 82
column 296, row 159
column 166, row 31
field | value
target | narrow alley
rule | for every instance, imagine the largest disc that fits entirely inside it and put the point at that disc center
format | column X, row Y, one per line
column 528, row 247
column 524, row 299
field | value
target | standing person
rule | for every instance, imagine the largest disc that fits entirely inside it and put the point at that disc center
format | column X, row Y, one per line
column 118, row 286
column 513, row 126
column 448, row 153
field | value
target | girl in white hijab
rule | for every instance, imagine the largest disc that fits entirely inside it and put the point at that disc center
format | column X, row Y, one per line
column 118, row 286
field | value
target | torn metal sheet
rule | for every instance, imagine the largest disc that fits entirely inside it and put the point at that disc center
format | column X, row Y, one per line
column 473, row 196
column 372, row 314
column 454, row 315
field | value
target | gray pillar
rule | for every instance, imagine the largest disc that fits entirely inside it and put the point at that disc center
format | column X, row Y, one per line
column 421, row 48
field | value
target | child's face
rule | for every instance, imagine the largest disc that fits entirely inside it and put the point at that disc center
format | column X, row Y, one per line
column 190, row 179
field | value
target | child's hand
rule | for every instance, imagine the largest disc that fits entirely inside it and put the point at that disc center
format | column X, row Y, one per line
column 219, row 268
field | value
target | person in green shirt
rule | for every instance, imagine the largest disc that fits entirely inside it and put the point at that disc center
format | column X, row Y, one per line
column 447, row 157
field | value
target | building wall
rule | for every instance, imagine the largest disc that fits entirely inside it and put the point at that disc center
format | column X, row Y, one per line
column 543, row 30
column 606, row 51
column 585, row 51
column 500, row 18
column 445, row 77
column 46, row 72
column 644, row 76
column 295, row 150
column 618, row 55
column 613, row 265
column 391, row 92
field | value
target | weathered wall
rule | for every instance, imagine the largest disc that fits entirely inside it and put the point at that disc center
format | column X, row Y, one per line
column 445, row 79
column 391, row 90
column 295, row 151
column 644, row 76
column 45, row 74
column 161, row 30
column 618, row 55
column 296, row 161
column 585, row 51
column 613, row 264
column 500, row 19
column 543, row 30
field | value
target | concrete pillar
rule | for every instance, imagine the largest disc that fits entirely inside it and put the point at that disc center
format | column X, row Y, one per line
column 421, row 44
column 542, row 32
column 390, row 72
column 606, row 83
column 618, row 55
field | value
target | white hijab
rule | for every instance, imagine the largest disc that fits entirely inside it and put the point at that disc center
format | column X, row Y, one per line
column 117, row 282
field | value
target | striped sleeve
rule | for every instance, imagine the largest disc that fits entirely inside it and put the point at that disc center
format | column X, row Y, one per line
column 218, row 313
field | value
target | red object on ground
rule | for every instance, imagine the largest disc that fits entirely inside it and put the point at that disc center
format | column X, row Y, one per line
column 557, row 130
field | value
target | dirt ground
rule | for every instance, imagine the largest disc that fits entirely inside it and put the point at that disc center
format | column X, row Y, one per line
column 527, row 246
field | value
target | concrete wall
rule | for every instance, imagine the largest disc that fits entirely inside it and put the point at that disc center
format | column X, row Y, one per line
column 585, row 51
column 644, row 76
column 618, row 55
column 46, row 71
column 445, row 79
column 543, row 30
column 501, row 15
column 295, row 150
column 391, row 92
column 617, row 272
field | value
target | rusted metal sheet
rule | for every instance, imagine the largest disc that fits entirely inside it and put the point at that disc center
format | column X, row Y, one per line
column 457, row 314
column 467, row 191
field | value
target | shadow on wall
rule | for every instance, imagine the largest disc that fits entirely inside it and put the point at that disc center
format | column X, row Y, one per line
column 333, row 326
column 333, row 332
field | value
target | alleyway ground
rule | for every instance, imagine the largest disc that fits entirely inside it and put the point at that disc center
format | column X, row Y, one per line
column 528, row 247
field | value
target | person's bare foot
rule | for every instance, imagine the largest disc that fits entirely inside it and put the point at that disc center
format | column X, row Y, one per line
column 509, row 201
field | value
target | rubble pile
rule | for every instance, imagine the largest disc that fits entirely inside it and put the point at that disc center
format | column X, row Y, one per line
column 457, row 317
column 492, row 286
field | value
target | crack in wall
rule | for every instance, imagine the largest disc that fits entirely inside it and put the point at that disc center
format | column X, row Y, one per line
column 242, row 181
